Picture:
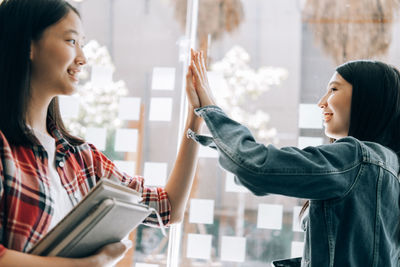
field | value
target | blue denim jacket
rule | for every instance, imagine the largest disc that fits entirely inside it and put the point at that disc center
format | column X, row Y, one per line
column 353, row 187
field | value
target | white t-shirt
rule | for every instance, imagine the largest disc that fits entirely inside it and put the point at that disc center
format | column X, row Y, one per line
column 62, row 202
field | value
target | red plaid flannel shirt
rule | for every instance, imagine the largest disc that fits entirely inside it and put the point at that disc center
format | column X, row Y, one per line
column 25, row 204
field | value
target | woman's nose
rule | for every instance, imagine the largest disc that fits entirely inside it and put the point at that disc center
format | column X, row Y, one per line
column 80, row 57
column 81, row 60
column 322, row 103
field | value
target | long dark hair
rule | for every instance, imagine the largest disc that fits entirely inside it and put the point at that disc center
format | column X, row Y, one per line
column 21, row 22
column 375, row 103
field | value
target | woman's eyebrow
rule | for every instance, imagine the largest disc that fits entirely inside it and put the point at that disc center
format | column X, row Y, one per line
column 74, row 32
column 334, row 82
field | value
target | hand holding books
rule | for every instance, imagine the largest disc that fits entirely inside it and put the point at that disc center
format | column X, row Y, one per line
column 106, row 215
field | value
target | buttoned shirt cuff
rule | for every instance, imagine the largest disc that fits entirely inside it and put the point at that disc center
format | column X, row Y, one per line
column 204, row 140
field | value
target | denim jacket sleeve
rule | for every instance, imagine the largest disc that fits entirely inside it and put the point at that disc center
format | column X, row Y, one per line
column 323, row 172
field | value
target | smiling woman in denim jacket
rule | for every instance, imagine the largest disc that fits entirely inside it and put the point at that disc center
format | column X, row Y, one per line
column 353, row 214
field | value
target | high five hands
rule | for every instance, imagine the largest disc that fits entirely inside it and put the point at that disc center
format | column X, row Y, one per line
column 197, row 87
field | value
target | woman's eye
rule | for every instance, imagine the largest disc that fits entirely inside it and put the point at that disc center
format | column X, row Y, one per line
column 72, row 41
column 333, row 89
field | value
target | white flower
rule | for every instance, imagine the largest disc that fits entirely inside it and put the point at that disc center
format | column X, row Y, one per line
column 243, row 85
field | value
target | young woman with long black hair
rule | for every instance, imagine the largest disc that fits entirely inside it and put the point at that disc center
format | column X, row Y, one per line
column 353, row 214
column 44, row 170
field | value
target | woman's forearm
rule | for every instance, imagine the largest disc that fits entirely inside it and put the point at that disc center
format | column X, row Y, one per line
column 13, row 258
column 182, row 175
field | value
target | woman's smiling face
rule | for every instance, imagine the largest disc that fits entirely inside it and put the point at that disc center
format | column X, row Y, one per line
column 336, row 107
column 57, row 57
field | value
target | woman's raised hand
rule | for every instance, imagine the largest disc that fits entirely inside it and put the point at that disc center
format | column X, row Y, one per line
column 197, row 87
column 191, row 91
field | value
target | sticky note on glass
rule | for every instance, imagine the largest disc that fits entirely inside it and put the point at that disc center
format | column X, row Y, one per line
column 296, row 219
column 231, row 186
column 297, row 249
column 160, row 109
column 155, row 173
column 201, row 211
column 270, row 216
column 101, row 76
column 304, row 142
column 233, row 248
column 206, row 152
column 163, row 79
column 69, row 106
column 199, row 246
column 129, row 167
column 97, row 136
column 126, row 140
column 129, row 108
column 310, row 116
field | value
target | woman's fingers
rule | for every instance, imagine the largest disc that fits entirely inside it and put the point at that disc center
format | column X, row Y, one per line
column 198, row 65
column 190, row 90
column 196, row 74
column 203, row 64
column 110, row 254
column 197, row 68
column 117, row 250
column 198, row 80
column 202, row 67
column 203, row 70
column 192, row 54
column 189, row 78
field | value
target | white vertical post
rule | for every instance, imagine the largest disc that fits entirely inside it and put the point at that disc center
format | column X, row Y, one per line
column 175, row 233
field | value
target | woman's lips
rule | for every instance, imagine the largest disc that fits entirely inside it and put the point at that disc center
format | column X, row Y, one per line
column 73, row 74
column 327, row 116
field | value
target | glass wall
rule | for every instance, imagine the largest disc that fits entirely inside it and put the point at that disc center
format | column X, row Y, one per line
column 269, row 62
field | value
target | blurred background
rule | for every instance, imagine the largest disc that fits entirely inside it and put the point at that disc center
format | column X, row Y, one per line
column 269, row 62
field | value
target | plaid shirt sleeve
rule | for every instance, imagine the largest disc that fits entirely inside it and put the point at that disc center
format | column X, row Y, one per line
column 2, row 248
column 26, row 206
column 156, row 198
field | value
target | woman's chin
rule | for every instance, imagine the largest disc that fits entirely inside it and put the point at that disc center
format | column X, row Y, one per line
column 334, row 135
column 70, row 90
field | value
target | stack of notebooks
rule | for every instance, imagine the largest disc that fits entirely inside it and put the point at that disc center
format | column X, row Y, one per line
column 106, row 215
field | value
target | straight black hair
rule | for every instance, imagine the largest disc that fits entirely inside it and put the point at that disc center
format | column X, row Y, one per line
column 375, row 104
column 21, row 22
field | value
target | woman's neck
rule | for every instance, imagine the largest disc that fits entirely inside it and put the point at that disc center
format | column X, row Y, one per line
column 37, row 113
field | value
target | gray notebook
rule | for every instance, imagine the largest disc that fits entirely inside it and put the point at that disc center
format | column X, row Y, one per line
column 106, row 215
